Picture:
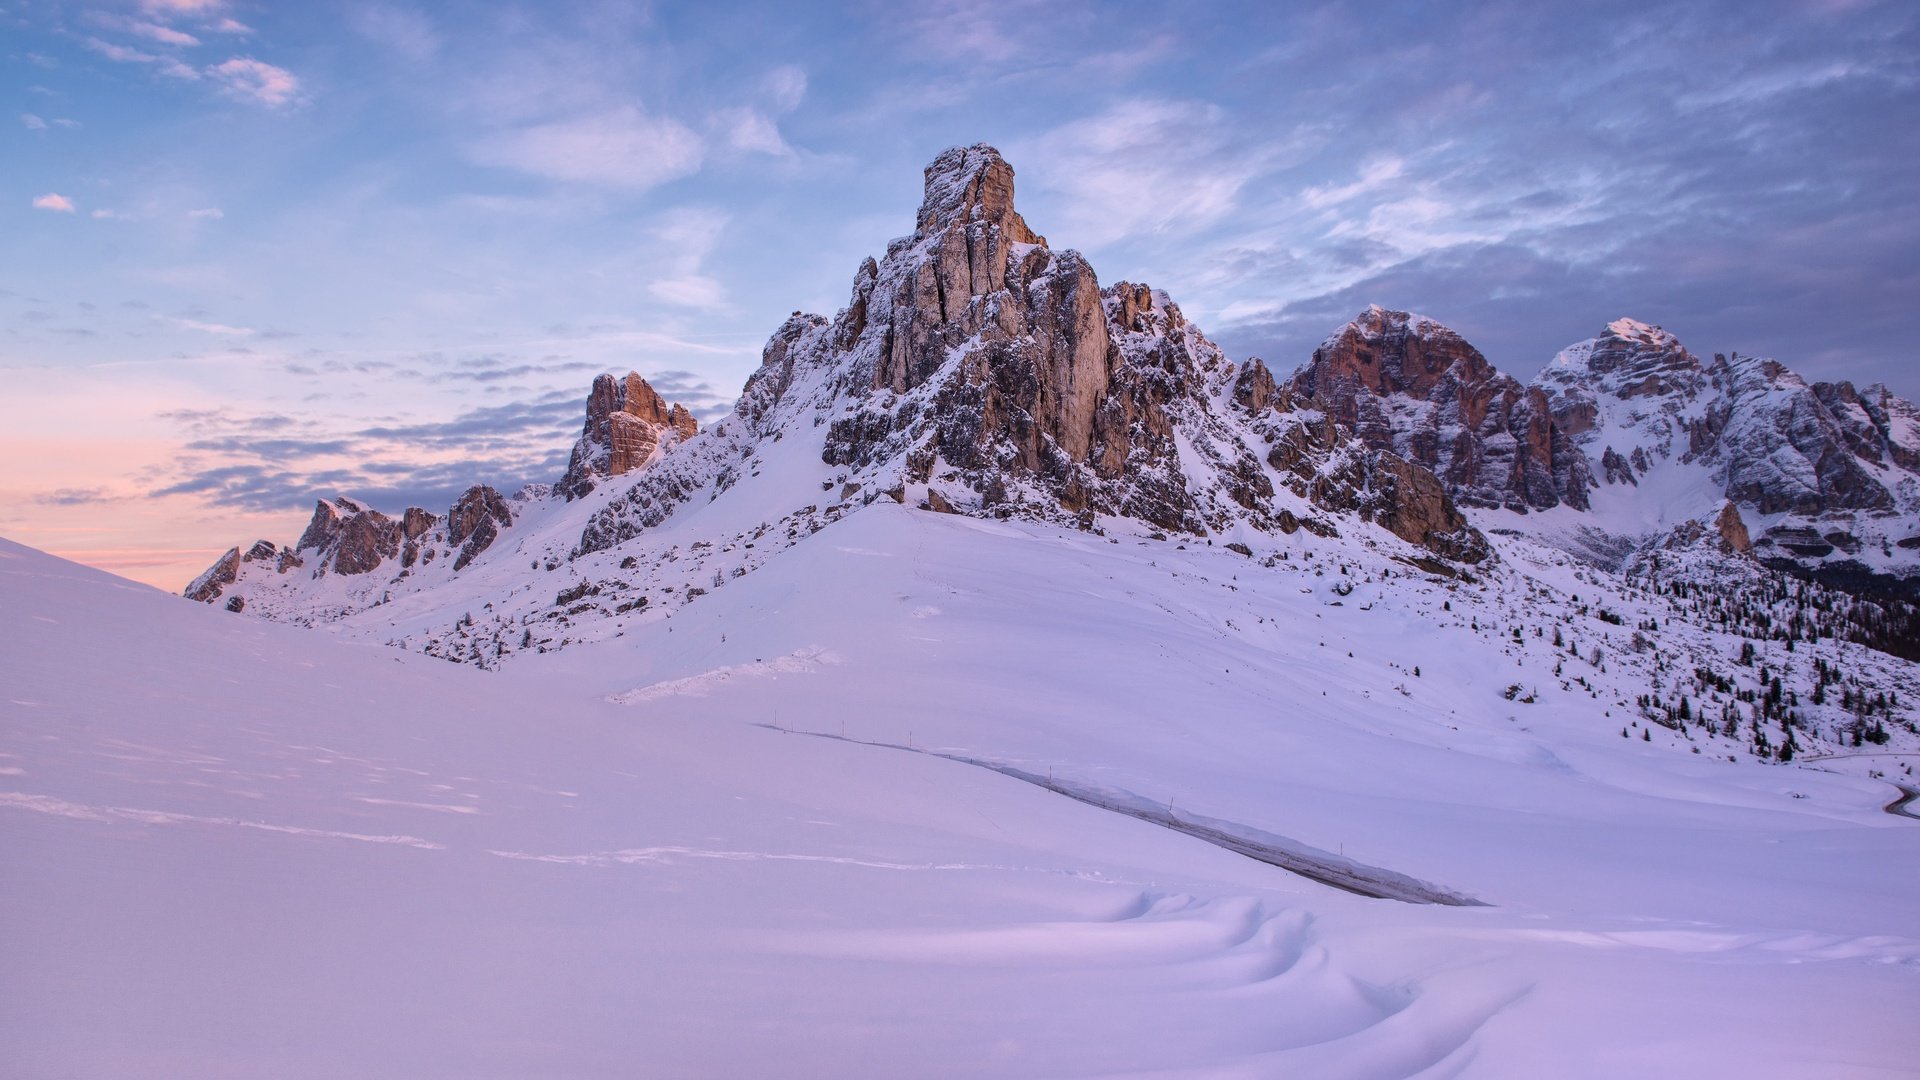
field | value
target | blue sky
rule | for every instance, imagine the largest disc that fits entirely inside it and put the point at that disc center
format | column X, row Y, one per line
column 251, row 253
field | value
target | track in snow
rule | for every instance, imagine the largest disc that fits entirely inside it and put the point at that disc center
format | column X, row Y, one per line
column 1309, row 862
column 1900, row 806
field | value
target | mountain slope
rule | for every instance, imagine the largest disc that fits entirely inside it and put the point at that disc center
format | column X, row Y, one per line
column 1824, row 479
column 259, row 851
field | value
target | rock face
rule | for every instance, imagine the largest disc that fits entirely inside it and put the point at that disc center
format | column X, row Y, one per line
column 627, row 423
column 1831, row 472
column 214, row 579
column 1404, row 383
column 1734, row 538
column 1014, row 334
column 475, row 522
column 349, row 538
column 1337, row 473
column 227, row 569
column 346, row 539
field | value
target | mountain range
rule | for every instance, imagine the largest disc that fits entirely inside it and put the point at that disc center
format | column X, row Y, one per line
column 977, row 370
column 1014, row 684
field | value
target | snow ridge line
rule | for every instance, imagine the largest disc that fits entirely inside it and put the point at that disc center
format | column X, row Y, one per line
column 1337, row 871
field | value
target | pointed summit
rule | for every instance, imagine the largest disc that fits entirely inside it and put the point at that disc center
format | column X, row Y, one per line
column 968, row 184
column 627, row 423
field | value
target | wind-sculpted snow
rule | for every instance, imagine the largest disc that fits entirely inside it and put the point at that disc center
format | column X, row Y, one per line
column 258, row 850
column 1311, row 863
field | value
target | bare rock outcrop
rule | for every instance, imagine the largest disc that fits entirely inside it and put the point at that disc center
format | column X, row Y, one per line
column 628, row 424
column 1337, row 473
column 214, row 579
column 1734, row 539
column 349, row 538
column 1404, row 383
column 228, row 569
column 475, row 522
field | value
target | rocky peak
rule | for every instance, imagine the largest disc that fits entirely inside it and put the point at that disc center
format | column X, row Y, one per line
column 349, row 538
column 1405, row 383
column 628, row 422
column 1388, row 352
column 1633, row 395
column 1830, row 467
column 214, row 580
column 1631, row 359
column 979, row 370
column 415, row 523
column 976, row 302
column 227, row 569
column 971, row 185
column 475, row 522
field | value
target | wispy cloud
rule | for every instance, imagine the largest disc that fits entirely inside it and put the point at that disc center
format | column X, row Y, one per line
column 76, row 497
column 623, row 147
column 151, row 31
column 54, row 202
column 1374, row 175
column 749, row 129
column 257, row 81
column 786, row 87
column 166, row 65
column 221, row 329
column 122, row 53
column 33, row 122
column 403, row 30
column 268, row 462
column 209, row 213
column 183, row 7
column 1149, row 166
column 685, row 238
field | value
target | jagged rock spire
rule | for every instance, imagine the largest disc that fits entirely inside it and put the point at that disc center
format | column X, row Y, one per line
column 627, row 421
column 969, row 184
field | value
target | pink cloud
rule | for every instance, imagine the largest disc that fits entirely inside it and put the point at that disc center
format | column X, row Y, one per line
column 257, row 80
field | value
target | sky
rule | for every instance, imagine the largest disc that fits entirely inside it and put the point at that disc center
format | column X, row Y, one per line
column 256, row 253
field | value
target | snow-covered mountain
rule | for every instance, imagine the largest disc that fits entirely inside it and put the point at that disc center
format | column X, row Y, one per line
column 974, row 370
column 977, row 370
column 1821, row 478
column 1011, row 684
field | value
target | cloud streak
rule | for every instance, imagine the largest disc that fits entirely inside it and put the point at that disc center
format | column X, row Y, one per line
column 623, row 148
column 246, row 79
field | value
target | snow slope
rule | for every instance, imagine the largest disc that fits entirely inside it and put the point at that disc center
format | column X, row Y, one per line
column 252, row 850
